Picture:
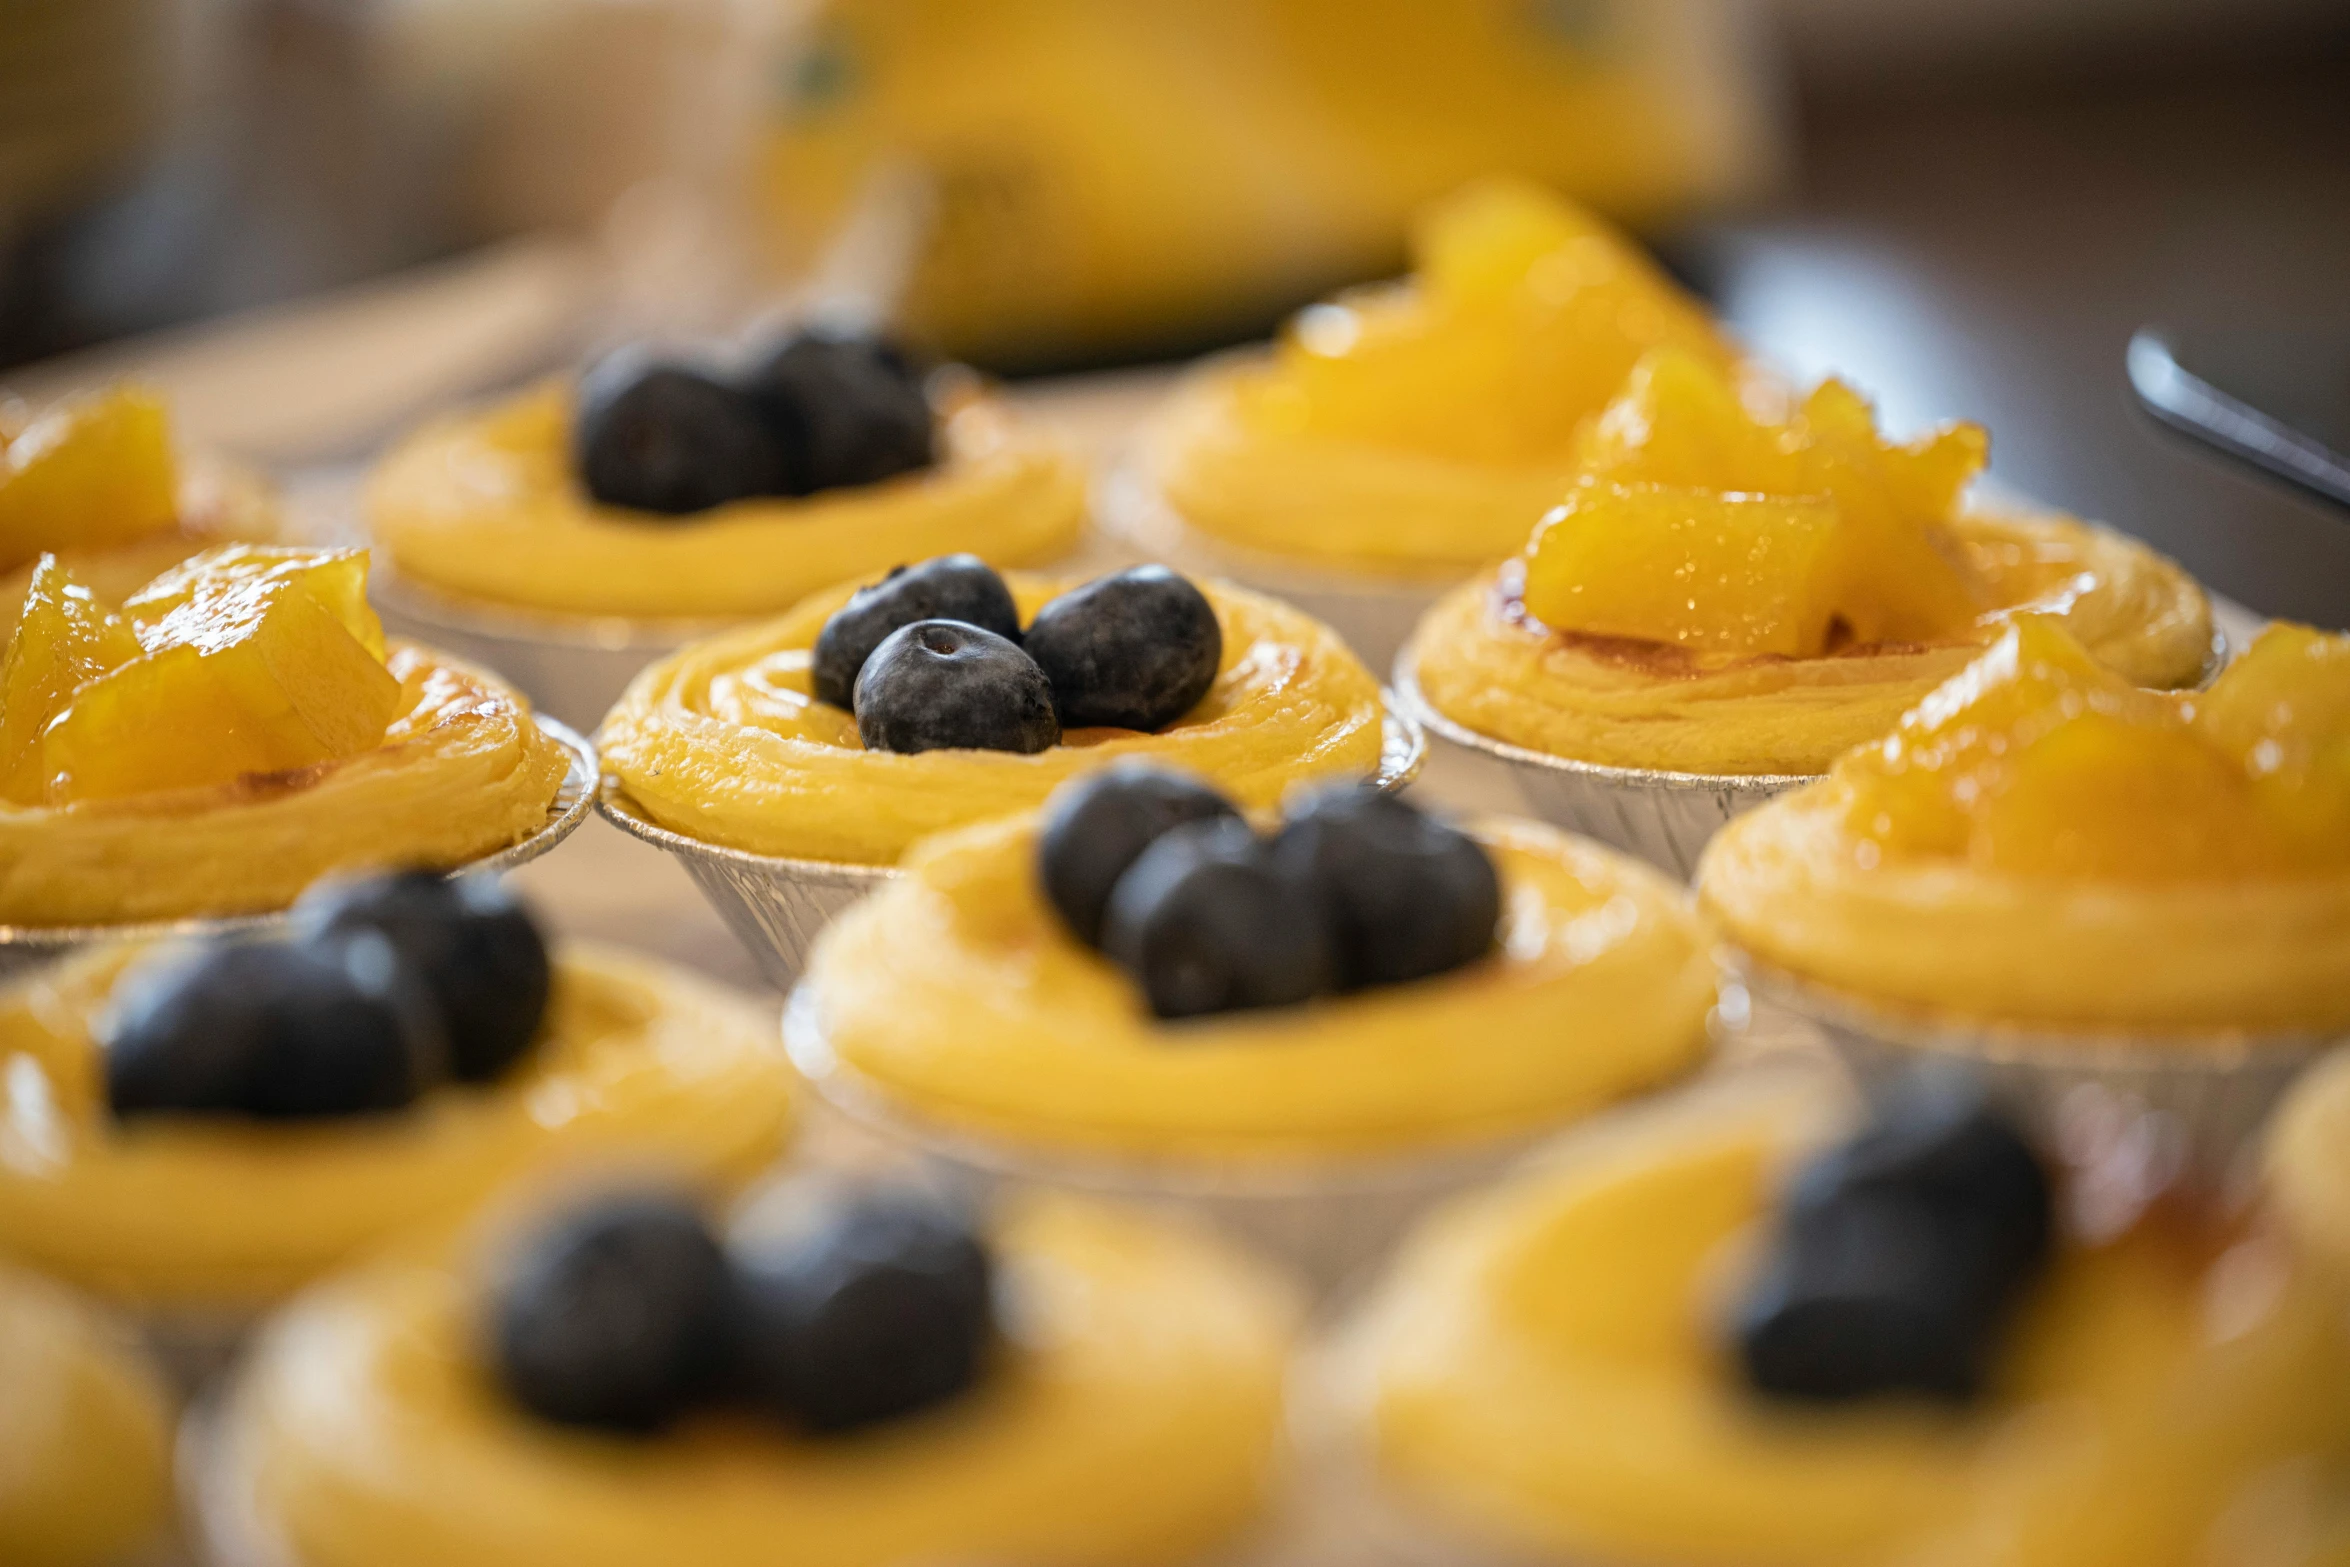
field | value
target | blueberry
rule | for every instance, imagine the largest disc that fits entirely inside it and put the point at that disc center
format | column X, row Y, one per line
column 881, row 1308
column 1136, row 650
column 1206, row 920
column 271, row 1029
column 950, row 587
column 1865, row 1299
column 472, row 944
column 1902, row 1252
column 1098, row 826
column 1408, row 895
column 617, row 1315
column 661, row 437
column 940, row 684
column 848, row 408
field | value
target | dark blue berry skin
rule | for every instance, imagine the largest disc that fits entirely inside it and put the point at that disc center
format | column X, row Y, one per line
column 274, row 1030
column 670, row 439
column 468, row 940
column 949, row 587
column 1207, row 921
column 942, row 685
column 848, row 408
column 1408, row 895
column 1095, row 828
column 1135, row 650
column 618, row 1316
column 882, row 1308
column 1901, row 1253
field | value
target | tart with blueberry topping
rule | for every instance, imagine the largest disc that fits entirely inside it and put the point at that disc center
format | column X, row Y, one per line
column 1744, row 1330
column 851, row 1375
column 671, row 488
column 876, row 714
column 203, row 1127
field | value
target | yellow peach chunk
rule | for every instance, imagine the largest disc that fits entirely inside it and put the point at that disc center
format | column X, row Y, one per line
column 2283, row 712
column 194, row 601
column 1680, row 420
column 1483, row 240
column 263, row 679
column 1738, row 574
column 91, row 471
column 64, row 639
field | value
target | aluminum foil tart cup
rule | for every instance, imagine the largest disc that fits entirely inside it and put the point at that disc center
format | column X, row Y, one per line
column 1664, row 818
column 572, row 667
column 1328, row 1220
column 2146, row 1109
column 24, row 948
column 1373, row 612
column 777, row 905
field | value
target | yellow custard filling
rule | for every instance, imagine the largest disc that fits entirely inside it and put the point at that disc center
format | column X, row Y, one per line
column 1417, row 428
column 85, row 1434
column 1544, row 1367
column 2307, row 1163
column 957, row 994
column 484, row 505
column 633, row 1057
column 1133, row 1419
column 724, row 741
column 2040, row 842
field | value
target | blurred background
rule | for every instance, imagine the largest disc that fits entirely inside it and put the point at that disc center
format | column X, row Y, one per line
column 310, row 219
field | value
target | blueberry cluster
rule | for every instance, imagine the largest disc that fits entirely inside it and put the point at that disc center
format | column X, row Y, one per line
column 1901, row 1254
column 1161, row 873
column 823, row 409
column 384, row 988
column 628, row 1312
column 932, row 657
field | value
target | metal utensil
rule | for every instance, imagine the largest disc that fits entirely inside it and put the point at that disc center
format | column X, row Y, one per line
column 2188, row 403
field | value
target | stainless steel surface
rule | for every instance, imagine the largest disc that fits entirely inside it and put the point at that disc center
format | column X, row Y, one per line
column 777, row 905
column 26, row 947
column 1374, row 614
column 572, row 667
column 1329, row 1221
column 1664, row 818
column 2194, row 1104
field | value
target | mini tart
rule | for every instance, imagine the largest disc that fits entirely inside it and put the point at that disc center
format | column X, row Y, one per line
column 1481, row 662
column 1379, row 510
column 956, row 996
column 1132, row 1419
column 1542, row 1368
column 722, row 741
column 462, row 772
column 2184, row 964
column 484, row 505
column 197, row 1212
column 85, row 1433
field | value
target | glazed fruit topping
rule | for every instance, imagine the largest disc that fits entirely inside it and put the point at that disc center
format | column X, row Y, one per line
column 1701, row 522
column 1138, row 650
column 1135, row 650
column 2035, row 760
column 1408, row 896
column 1098, row 826
column 468, row 940
column 880, row 1307
column 942, row 684
column 1900, row 1255
column 1207, row 921
column 617, row 1316
column 821, row 410
column 91, row 472
column 873, row 1304
column 383, row 990
column 1164, row 876
column 241, row 660
column 948, row 587
column 849, row 408
column 276, row 1030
